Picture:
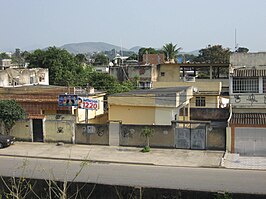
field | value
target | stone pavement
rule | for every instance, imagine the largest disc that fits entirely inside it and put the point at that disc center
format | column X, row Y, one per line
column 112, row 154
column 235, row 161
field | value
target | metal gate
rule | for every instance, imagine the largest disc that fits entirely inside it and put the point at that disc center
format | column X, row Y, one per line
column 190, row 138
column 250, row 141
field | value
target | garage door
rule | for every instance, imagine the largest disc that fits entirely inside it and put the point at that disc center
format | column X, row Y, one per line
column 250, row 141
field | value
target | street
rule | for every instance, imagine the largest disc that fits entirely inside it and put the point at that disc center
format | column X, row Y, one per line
column 184, row 178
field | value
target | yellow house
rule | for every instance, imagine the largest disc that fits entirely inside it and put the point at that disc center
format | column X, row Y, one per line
column 206, row 95
column 157, row 106
column 208, row 80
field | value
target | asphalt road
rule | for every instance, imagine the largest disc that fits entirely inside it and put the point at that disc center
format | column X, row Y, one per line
column 184, row 178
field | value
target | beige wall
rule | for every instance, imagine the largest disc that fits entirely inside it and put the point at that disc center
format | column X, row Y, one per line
column 164, row 116
column 171, row 73
column 132, row 114
column 52, row 126
column 201, row 86
column 147, row 100
column 22, row 130
column 210, row 102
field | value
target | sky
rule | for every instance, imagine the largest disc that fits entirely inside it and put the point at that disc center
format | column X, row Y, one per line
column 191, row 24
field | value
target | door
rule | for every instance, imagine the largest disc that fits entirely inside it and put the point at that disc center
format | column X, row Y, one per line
column 250, row 141
column 37, row 130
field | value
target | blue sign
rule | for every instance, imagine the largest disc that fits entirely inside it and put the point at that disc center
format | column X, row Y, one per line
column 68, row 100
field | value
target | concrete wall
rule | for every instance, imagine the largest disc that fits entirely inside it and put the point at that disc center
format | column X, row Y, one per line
column 22, row 130
column 248, row 59
column 59, row 128
column 97, row 135
column 208, row 85
column 209, row 114
column 216, row 138
column 130, row 135
column 171, row 73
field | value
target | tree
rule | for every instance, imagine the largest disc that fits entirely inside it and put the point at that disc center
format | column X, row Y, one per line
column 213, row 54
column 242, row 50
column 101, row 59
column 81, row 58
column 63, row 67
column 143, row 51
column 170, row 51
column 4, row 56
column 134, row 56
column 10, row 112
column 147, row 133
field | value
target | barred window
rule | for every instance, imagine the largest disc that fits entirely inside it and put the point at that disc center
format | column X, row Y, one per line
column 246, row 85
column 200, row 101
column 264, row 85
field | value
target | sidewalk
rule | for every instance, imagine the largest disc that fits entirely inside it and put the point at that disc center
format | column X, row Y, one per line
column 111, row 154
column 235, row 161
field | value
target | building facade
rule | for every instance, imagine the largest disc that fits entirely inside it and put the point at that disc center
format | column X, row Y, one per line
column 246, row 133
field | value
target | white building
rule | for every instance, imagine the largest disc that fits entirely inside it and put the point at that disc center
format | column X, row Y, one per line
column 247, row 123
column 19, row 77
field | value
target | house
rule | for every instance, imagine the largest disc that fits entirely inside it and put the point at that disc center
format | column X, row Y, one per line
column 158, row 106
column 210, row 99
column 165, row 110
column 47, row 120
column 246, row 132
column 19, row 77
column 144, row 74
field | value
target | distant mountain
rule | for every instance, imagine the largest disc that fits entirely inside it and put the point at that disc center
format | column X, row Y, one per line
column 90, row 47
column 135, row 49
column 194, row 52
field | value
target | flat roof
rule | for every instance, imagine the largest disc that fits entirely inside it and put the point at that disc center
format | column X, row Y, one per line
column 166, row 90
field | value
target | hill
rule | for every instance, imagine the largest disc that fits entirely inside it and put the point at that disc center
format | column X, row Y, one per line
column 90, row 47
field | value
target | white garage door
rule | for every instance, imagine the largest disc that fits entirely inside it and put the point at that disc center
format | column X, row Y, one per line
column 250, row 141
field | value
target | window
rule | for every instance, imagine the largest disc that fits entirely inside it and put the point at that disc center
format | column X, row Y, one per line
column 245, row 85
column 200, row 101
column 264, row 85
column 162, row 74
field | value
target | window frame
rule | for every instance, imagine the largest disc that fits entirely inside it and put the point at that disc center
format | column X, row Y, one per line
column 245, row 85
column 200, row 101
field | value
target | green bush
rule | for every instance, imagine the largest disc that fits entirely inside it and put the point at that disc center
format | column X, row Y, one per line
column 146, row 149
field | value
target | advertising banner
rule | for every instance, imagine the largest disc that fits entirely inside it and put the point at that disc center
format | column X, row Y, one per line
column 86, row 103
column 68, row 100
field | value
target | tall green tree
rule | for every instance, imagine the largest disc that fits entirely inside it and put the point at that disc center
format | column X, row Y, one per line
column 63, row 67
column 213, row 54
column 170, row 51
column 10, row 112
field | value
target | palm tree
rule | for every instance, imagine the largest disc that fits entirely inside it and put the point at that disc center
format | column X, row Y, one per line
column 170, row 51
